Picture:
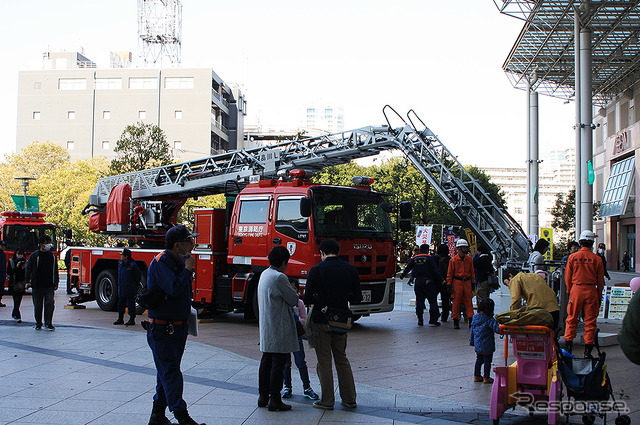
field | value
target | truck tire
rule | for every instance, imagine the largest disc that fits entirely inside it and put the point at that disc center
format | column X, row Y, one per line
column 107, row 290
column 251, row 306
column 142, row 284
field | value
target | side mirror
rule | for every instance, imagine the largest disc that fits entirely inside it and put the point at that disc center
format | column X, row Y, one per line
column 405, row 210
column 68, row 234
column 305, row 207
column 405, row 225
column 386, row 207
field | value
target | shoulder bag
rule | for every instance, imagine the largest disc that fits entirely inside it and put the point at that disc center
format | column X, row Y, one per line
column 492, row 281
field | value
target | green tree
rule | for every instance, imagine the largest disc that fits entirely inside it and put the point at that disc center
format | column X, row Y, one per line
column 140, row 146
column 564, row 212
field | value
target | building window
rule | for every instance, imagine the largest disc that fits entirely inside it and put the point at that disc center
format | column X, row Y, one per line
column 142, row 115
column 137, row 83
column 71, row 115
column 72, row 83
column 178, row 83
column 70, row 145
column 108, row 83
column 105, row 144
column 37, row 85
column 178, row 115
column 177, row 144
column 36, row 115
column 106, row 115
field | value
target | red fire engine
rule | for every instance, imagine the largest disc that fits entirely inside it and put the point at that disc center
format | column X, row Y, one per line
column 271, row 202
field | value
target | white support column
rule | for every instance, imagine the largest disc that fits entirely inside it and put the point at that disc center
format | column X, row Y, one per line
column 578, row 98
column 532, row 163
column 586, row 132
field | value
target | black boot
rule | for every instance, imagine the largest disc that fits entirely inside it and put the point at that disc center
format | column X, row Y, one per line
column 120, row 321
column 157, row 415
column 132, row 321
column 420, row 321
column 568, row 346
column 456, row 323
column 587, row 350
column 184, row 419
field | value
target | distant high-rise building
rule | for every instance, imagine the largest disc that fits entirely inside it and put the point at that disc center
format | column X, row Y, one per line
column 327, row 118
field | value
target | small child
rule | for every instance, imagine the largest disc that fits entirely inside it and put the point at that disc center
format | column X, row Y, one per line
column 299, row 314
column 483, row 326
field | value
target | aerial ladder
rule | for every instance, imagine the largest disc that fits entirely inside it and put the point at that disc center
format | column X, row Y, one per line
column 471, row 203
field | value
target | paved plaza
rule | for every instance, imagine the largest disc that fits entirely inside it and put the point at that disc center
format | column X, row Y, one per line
column 90, row 372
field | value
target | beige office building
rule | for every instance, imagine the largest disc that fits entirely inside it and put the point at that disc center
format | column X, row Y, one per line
column 85, row 109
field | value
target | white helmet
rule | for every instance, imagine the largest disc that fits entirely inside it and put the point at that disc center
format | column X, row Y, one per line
column 587, row 235
column 462, row 242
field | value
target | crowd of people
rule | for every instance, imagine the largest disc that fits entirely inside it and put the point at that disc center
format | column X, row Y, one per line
column 332, row 285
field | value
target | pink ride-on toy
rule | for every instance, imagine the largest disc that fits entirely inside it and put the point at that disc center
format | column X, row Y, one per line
column 532, row 380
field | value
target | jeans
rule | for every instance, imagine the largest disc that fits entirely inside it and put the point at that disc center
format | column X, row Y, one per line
column 485, row 358
column 43, row 297
column 301, row 364
column 270, row 375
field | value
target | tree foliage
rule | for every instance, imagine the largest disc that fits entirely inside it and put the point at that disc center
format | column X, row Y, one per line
column 63, row 187
column 140, row 146
column 564, row 212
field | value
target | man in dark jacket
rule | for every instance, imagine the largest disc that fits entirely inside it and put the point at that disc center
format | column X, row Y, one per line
column 3, row 271
column 427, row 277
column 128, row 281
column 41, row 273
column 171, row 271
column 483, row 268
column 333, row 283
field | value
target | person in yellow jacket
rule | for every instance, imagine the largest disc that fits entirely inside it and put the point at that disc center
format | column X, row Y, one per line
column 459, row 278
column 534, row 290
column 584, row 277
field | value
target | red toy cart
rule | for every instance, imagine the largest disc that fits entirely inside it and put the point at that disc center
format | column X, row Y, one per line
column 532, row 380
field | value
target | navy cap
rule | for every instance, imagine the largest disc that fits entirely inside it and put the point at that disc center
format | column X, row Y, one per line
column 178, row 233
column 126, row 252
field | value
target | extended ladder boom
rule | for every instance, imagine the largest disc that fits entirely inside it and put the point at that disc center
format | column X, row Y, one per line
column 461, row 191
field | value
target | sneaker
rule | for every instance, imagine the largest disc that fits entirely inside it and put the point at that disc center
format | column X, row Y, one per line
column 319, row 405
column 436, row 324
column 477, row 379
column 50, row 327
column 310, row 394
column 349, row 405
column 488, row 380
column 38, row 327
column 287, row 393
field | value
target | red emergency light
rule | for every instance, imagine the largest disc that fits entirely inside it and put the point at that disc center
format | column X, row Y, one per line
column 298, row 173
column 23, row 214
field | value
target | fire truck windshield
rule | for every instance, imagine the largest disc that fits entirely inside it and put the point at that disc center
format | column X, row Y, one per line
column 26, row 237
column 346, row 212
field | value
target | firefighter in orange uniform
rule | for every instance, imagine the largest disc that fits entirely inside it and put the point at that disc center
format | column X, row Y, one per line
column 584, row 277
column 459, row 278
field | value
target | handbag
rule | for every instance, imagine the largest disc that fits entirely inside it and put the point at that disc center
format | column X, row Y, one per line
column 19, row 287
column 150, row 299
column 492, row 281
column 339, row 320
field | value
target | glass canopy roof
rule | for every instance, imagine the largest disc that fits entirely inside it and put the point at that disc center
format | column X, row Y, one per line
column 545, row 45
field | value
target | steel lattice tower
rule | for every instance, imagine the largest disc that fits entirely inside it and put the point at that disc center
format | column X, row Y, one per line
column 159, row 32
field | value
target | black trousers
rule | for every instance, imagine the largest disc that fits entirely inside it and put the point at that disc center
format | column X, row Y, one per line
column 43, row 297
column 270, row 375
column 426, row 289
column 127, row 302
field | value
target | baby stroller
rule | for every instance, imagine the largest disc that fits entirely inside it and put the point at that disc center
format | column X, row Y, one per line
column 532, row 380
column 589, row 385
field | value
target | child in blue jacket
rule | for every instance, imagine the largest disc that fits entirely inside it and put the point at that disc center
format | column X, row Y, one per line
column 483, row 326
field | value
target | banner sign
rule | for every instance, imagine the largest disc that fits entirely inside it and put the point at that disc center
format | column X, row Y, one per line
column 423, row 234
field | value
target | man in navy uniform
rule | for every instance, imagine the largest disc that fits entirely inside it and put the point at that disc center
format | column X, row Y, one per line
column 427, row 278
column 172, row 272
column 128, row 281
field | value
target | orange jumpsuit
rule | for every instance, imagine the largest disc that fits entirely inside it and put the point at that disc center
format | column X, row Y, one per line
column 584, row 276
column 460, row 275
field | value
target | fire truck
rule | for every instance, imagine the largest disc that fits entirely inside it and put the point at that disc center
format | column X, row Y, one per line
column 22, row 229
column 271, row 202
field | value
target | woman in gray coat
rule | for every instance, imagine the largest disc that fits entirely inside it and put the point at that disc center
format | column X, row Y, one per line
column 278, row 336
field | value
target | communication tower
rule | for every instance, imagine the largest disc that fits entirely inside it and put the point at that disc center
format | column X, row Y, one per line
column 159, row 32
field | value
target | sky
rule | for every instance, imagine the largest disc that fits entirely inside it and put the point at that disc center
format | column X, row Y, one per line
column 441, row 58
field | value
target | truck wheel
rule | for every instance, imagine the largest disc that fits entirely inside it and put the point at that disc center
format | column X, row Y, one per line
column 107, row 290
column 251, row 306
